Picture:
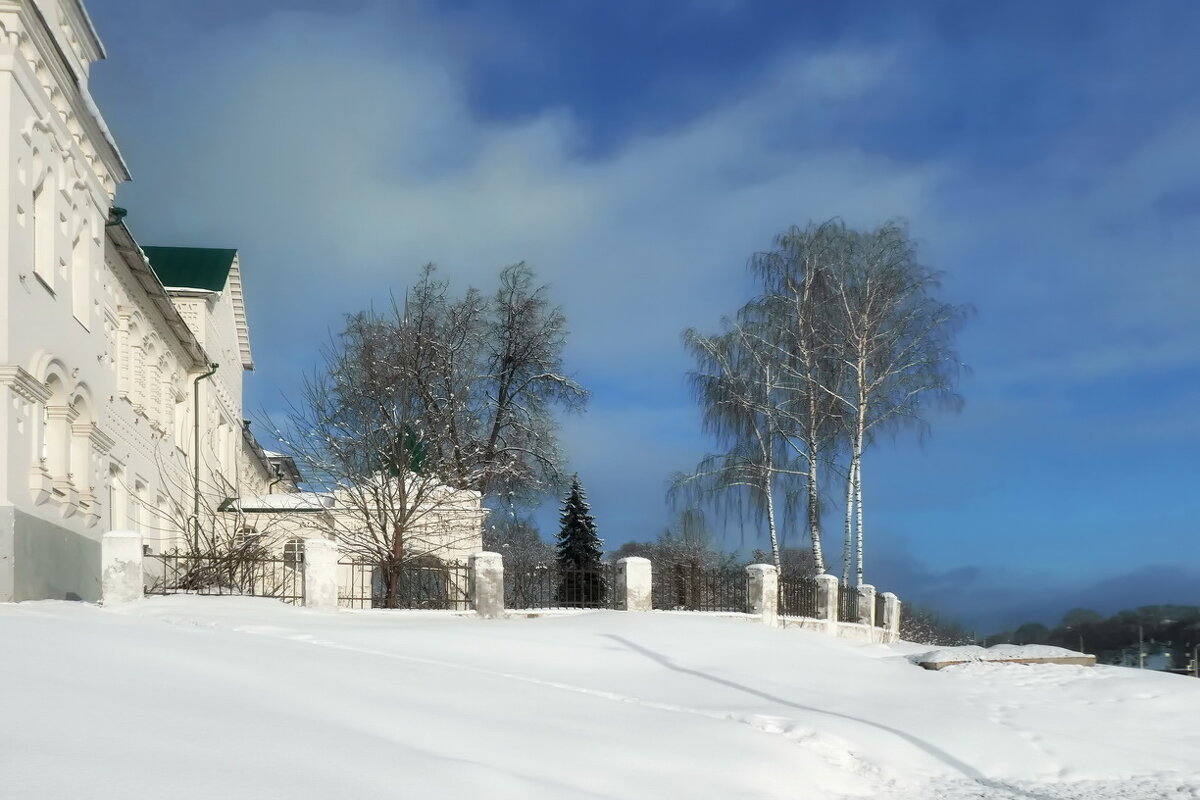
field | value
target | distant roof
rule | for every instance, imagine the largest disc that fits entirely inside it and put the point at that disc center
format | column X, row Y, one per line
column 192, row 267
column 289, row 501
column 209, row 269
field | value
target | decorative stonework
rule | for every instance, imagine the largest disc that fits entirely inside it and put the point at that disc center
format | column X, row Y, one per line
column 76, row 132
column 23, row 383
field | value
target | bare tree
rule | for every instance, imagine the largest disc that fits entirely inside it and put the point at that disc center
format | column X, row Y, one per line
column 207, row 542
column 517, row 538
column 490, row 380
column 367, row 442
column 421, row 411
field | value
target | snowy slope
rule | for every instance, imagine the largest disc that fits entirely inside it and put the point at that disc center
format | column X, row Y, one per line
column 185, row 697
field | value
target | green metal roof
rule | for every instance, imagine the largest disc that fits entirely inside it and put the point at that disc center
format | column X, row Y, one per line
column 191, row 267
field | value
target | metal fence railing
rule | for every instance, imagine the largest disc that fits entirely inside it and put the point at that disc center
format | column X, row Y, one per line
column 258, row 576
column 437, row 586
column 798, row 597
column 847, row 604
column 879, row 620
column 687, row 587
column 548, row 586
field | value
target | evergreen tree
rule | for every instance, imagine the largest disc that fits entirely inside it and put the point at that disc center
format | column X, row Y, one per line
column 581, row 581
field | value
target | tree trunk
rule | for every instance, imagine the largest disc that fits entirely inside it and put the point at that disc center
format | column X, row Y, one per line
column 394, row 566
column 814, row 490
column 771, row 525
column 814, row 517
column 848, row 544
column 859, row 436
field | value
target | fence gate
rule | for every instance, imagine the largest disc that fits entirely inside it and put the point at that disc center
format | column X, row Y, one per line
column 434, row 586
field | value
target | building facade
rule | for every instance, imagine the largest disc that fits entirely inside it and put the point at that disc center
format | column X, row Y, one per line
column 121, row 367
column 110, row 418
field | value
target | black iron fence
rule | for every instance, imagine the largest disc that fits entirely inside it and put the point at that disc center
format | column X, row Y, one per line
column 798, row 597
column 547, row 586
column 177, row 572
column 847, row 604
column 436, row 585
column 687, row 587
column 879, row 620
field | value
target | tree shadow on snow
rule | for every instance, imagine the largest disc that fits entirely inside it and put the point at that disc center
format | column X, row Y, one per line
column 941, row 755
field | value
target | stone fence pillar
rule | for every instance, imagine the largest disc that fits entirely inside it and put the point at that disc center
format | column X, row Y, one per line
column 827, row 599
column 891, row 615
column 634, row 584
column 866, row 604
column 762, row 592
column 120, row 567
column 487, row 584
column 320, row 574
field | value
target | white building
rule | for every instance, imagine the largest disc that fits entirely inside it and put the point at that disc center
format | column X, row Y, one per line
column 111, row 413
column 100, row 365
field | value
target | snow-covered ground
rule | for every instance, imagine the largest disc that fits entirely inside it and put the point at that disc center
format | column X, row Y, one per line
column 219, row 697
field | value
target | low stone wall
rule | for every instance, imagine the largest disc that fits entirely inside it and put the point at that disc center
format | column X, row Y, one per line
column 123, row 576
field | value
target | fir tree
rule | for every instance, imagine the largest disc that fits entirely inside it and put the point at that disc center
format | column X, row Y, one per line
column 581, row 581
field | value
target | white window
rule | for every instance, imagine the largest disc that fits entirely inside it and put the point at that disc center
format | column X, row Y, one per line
column 293, row 553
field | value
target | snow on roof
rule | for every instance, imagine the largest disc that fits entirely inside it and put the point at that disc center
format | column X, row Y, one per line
column 290, row 501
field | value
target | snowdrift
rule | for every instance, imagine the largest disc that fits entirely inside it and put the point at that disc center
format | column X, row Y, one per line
column 194, row 698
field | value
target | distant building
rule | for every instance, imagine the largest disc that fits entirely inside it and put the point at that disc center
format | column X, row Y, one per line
column 1150, row 655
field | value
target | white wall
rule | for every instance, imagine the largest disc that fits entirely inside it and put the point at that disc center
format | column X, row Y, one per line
column 95, row 384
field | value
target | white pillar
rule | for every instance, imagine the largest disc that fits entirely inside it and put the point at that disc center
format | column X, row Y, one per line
column 827, row 600
column 487, row 584
column 634, row 577
column 120, row 567
column 762, row 591
column 320, row 574
column 891, row 615
column 866, row 604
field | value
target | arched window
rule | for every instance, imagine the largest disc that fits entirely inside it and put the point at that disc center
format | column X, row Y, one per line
column 141, row 508
column 56, row 430
column 81, row 445
column 293, row 553
column 129, row 334
column 150, row 392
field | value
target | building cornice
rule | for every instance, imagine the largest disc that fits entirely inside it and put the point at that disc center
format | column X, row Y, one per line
column 23, row 383
column 40, row 47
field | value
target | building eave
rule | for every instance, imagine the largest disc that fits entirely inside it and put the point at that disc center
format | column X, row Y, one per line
column 139, row 267
column 93, row 37
column 234, row 285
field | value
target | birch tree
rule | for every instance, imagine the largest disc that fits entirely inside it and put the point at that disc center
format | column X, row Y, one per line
column 894, row 339
column 797, row 278
column 738, row 385
column 846, row 340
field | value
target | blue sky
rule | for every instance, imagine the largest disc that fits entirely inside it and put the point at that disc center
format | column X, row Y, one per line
column 1046, row 155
